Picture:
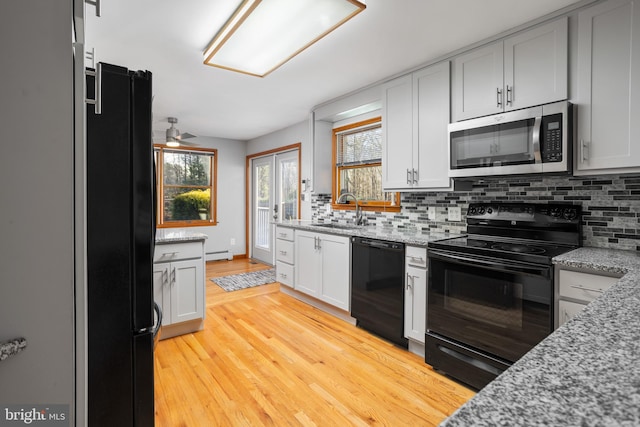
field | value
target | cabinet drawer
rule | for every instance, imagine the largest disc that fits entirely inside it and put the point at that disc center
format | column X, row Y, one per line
column 176, row 251
column 583, row 286
column 284, row 251
column 284, row 273
column 416, row 256
column 284, row 233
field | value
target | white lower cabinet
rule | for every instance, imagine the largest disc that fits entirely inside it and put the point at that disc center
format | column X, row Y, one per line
column 285, row 250
column 322, row 267
column 415, row 293
column 576, row 289
column 178, row 286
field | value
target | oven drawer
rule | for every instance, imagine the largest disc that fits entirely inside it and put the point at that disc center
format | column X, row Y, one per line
column 583, row 286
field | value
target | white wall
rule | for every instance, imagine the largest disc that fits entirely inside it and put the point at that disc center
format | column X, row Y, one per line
column 297, row 133
column 230, row 198
column 36, row 217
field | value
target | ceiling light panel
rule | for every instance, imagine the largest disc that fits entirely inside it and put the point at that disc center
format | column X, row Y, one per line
column 264, row 34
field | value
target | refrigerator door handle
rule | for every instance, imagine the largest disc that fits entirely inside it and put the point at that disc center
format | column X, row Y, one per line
column 158, row 324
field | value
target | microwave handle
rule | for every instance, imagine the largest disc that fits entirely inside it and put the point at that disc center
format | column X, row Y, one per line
column 537, row 125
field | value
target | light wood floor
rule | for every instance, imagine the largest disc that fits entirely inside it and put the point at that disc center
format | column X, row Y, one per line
column 265, row 358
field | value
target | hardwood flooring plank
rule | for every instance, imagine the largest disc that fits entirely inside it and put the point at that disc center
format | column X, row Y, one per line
column 266, row 358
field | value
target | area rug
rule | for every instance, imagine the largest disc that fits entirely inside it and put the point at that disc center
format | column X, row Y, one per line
column 245, row 280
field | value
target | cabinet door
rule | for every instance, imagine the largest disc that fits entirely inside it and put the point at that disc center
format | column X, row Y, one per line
column 535, row 66
column 430, row 120
column 334, row 287
column 397, row 134
column 567, row 310
column 415, row 303
column 477, row 83
column 161, row 290
column 187, row 290
column 308, row 263
column 608, row 85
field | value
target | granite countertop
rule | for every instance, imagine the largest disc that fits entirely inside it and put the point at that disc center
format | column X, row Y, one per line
column 412, row 237
column 586, row 373
column 12, row 347
column 171, row 235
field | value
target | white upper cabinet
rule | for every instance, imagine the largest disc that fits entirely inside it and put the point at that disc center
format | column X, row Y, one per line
column 608, row 84
column 415, row 114
column 527, row 69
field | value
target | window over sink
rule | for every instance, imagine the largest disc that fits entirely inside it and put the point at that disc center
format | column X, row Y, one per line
column 357, row 151
column 186, row 186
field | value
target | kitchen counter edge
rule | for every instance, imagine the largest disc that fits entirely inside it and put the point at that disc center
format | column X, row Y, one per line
column 177, row 236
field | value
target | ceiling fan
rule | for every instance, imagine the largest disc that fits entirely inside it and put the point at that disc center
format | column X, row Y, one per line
column 173, row 136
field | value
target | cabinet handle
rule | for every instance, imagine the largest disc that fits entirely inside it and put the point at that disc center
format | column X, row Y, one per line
column 415, row 176
column 282, row 234
column 173, row 275
column 95, row 3
column 409, row 176
column 319, row 243
column 509, row 95
column 165, row 276
column 499, row 97
column 584, row 147
column 583, row 288
column 284, row 276
column 97, row 102
column 283, row 252
column 416, row 260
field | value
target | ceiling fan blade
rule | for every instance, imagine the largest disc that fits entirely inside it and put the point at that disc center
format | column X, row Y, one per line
column 185, row 135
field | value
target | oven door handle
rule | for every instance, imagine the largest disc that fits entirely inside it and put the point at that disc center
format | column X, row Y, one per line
column 491, row 264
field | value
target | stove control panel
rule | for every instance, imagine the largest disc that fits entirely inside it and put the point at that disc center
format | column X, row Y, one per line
column 484, row 213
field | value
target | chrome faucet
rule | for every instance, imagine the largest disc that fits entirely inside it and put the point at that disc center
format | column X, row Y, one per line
column 359, row 218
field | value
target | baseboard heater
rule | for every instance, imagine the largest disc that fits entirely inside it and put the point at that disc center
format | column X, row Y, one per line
column 218, row 255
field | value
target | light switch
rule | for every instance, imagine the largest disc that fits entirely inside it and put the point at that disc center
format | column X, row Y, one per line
column 454, row 213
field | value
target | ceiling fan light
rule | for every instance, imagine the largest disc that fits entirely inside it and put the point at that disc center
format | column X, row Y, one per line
column 173, row 143
column 264, row 34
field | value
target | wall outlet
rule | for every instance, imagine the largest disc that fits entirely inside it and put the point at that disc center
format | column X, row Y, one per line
column 454, row 213
column 232, row 241
column 431, row 213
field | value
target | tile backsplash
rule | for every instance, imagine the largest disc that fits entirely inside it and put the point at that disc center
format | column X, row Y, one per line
column 610, row 205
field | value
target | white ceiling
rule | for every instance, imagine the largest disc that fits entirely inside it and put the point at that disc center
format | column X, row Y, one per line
column 168, row 37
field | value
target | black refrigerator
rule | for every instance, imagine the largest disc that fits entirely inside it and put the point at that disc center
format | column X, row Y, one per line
column 120, row 244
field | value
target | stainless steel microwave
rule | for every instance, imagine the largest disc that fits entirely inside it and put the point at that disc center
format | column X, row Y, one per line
column 527, row 141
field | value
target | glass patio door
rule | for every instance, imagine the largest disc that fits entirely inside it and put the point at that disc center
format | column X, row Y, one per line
column 275, row 196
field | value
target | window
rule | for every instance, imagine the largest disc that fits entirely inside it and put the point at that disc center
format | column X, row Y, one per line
column 186, row 187
column 358, row 166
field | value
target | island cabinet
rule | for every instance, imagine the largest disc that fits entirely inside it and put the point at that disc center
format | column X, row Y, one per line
column 415, row 115
column 576, row 288
column 322, row 267
column 415, row 297
column 285, row 266
column 178, row 286
column 527, row 69
column 608, row 96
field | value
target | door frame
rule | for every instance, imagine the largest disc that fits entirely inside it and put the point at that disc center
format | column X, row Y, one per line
column 248, row 182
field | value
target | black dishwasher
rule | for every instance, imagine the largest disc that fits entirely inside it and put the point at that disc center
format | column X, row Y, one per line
column 377, row 287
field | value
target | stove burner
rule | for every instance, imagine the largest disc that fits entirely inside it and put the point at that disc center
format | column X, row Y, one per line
column 515, row 247
column 477, row 243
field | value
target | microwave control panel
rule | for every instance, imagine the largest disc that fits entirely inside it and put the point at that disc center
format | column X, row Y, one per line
column 551, row 136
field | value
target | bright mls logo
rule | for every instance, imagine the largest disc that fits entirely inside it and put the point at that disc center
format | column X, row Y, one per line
column 38, row 415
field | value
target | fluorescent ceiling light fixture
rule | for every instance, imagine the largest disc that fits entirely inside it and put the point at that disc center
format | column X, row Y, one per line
column 264, row 34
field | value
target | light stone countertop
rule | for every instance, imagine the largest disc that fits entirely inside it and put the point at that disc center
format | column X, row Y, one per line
column 586, row 373
column 172, row 235
column 407, row 236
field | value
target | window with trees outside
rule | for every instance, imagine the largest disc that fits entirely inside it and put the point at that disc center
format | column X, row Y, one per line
column 186, row 186
column 358, row 167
